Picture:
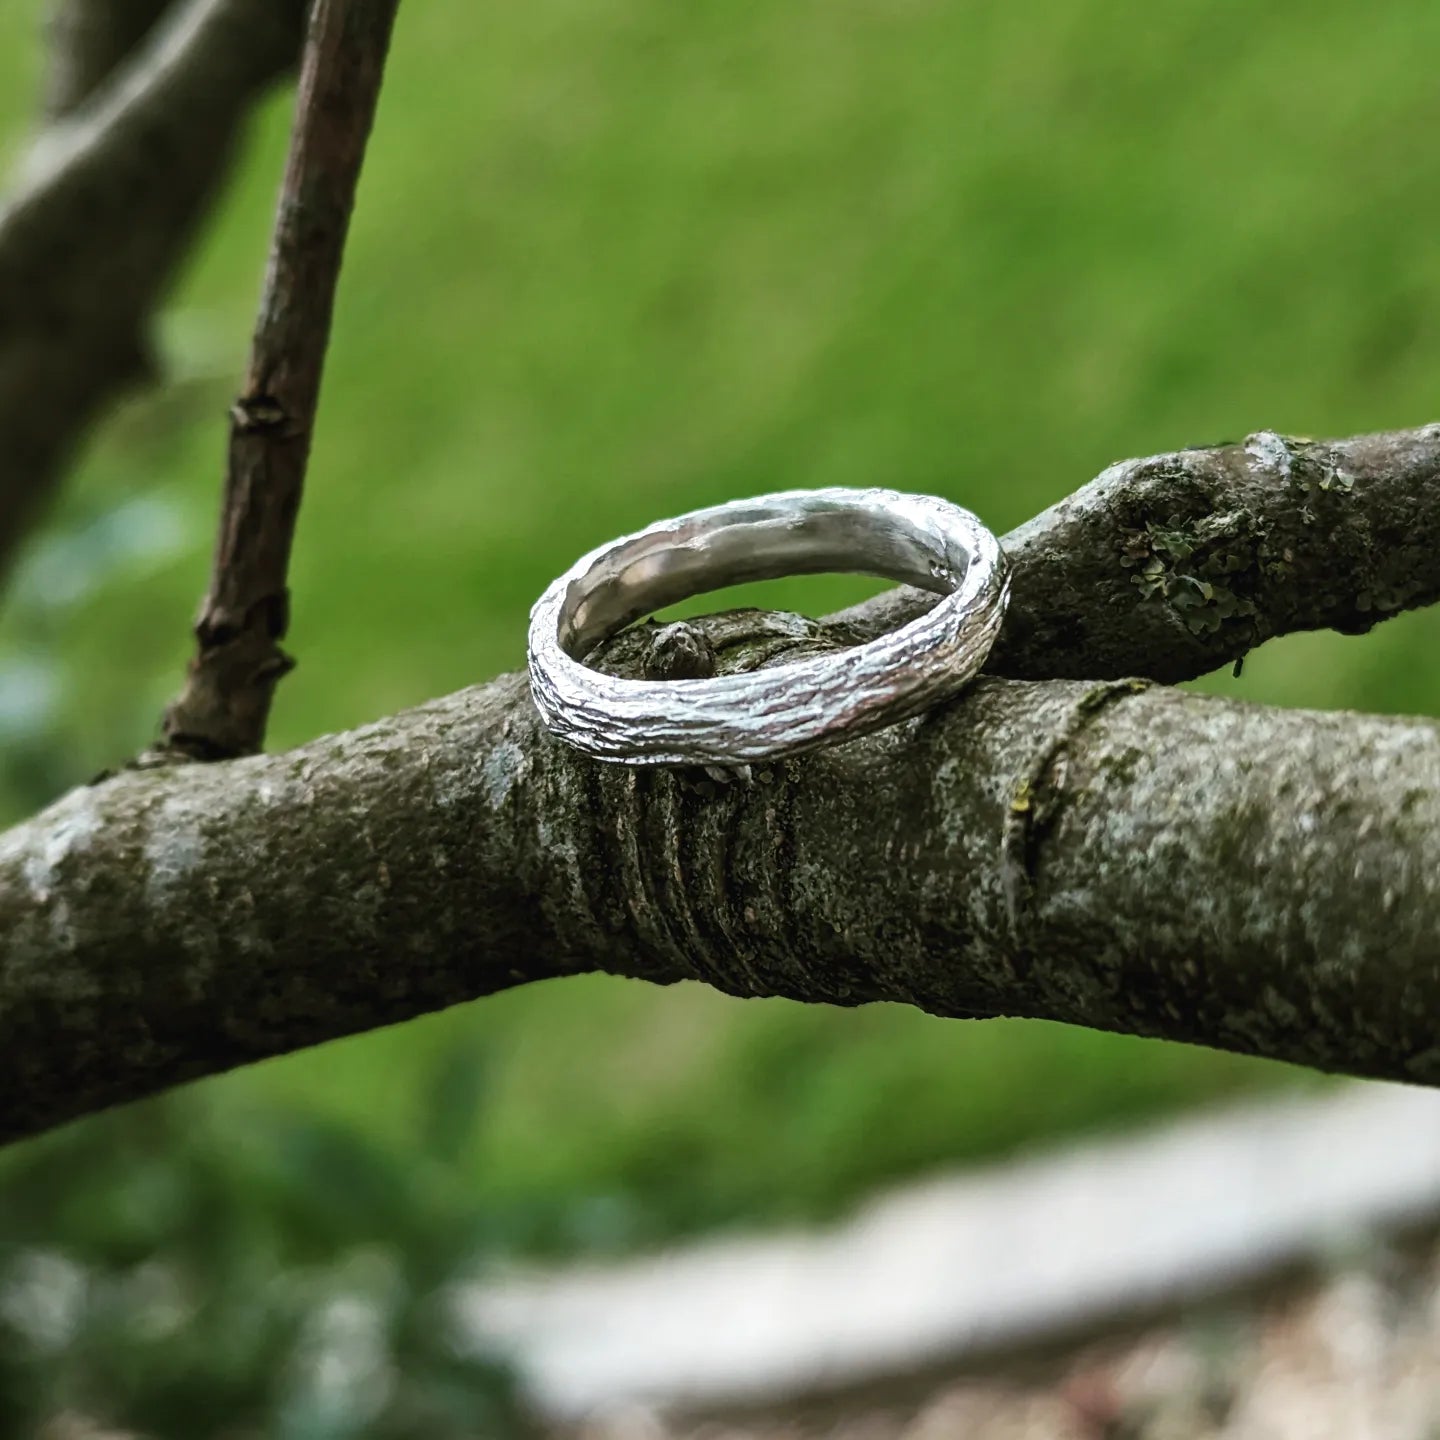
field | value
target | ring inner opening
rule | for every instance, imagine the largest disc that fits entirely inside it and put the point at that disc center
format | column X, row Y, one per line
column 666, row 566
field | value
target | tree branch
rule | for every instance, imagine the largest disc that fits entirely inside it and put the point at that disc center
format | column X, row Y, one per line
column 105, row 209
column 1130, row 858
column 1173, row 566
column 88, row 40
column 222, row 710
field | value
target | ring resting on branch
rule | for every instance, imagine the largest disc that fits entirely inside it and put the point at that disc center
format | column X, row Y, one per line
column 767, row 713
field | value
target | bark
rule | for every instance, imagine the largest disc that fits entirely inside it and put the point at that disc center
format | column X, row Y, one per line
column 1108, row 853
column 223, row 708
column 1112, row 854
column 1175, row 565
column 88, row 39
column 106, row 208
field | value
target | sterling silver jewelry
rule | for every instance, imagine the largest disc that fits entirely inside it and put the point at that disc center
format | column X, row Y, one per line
column 786, row 709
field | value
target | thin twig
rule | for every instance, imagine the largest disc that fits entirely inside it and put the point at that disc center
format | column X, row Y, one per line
column 224, row 706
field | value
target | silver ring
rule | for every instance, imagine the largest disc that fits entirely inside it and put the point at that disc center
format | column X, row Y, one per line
column 785, row 709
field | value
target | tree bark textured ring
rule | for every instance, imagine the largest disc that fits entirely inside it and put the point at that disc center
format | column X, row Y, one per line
column 783, row 710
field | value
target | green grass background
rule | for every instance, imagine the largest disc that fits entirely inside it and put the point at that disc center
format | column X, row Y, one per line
column 618, row 258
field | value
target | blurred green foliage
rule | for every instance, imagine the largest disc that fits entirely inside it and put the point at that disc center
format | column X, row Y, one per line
column 617, row 258
column 188, row 1273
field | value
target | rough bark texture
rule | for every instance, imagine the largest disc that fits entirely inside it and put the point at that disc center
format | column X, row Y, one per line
column 1132, row 858
column 106, row 207
column 221, row 712
column 1175, row 565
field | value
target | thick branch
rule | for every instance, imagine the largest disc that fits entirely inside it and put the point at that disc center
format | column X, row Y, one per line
column 1133, row 859
column 223, row 708
column 1139, row 860
column 105, row 210
column 88, row 40
column 1176, row 565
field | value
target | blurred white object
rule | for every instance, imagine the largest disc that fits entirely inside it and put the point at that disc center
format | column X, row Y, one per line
column 981, row 1260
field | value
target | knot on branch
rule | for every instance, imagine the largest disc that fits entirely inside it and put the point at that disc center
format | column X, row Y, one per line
column 726, row 643
column 678, row 652
column 220, row 714
column 259, row 415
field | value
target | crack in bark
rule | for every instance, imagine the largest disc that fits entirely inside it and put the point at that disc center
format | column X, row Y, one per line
column 1039, row 801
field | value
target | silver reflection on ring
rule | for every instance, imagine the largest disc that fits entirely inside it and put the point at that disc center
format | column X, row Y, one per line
column 785, row 709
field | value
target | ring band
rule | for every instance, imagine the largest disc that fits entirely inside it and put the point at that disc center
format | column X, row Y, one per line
column 785, row 709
